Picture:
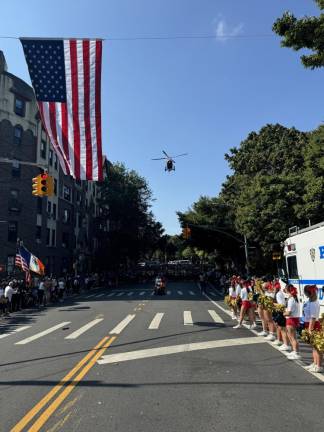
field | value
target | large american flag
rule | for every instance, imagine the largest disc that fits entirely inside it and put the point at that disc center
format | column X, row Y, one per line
column 66, row 76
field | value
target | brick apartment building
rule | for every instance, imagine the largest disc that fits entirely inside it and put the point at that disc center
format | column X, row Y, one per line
column 61, row 230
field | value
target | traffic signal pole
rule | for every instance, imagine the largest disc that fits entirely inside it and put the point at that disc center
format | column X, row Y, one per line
column 6, row 160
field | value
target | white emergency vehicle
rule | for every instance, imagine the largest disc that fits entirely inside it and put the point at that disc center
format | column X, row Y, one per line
column 304, row 259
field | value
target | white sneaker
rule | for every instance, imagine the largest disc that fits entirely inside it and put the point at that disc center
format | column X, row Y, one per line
column 277, row 342
column 233, row 317
column 253, row 326
column 293, row 356
column 316, row 369
column 237, row 326
column 284, row 348
column 270, row 337
column 309, row 367
column 263, row 333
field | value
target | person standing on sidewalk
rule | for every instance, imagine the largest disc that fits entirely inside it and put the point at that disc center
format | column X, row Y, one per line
column 8, row 293
column 311, row 314
column 41, row 294
column 292, row 321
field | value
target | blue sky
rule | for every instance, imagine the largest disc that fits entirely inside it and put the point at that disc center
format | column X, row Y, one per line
column 197, row 96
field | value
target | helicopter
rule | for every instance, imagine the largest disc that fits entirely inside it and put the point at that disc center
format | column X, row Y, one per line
column 170, row 162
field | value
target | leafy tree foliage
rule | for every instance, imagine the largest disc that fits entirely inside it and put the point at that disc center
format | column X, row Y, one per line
column 133, row 231
column 307, row 32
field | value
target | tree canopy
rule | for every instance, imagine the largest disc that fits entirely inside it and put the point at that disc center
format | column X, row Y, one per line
column 307, row 32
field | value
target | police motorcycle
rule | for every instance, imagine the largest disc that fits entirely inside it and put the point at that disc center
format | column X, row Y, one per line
column 159, row 286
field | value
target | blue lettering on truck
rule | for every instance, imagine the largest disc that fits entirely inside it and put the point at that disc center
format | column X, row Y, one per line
column 321, row 249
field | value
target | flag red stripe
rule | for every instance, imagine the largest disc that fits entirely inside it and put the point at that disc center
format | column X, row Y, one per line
column 65, row 136
column 98, row 107
column 75, row 107
column 86, row 81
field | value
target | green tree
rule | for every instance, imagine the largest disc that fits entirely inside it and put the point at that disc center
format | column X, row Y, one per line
column 133, row 230
column 307, row 32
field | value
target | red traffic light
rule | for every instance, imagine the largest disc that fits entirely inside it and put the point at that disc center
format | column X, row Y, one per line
column 44, row 176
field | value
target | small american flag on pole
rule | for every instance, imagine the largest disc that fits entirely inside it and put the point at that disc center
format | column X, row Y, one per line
column 66, row 76
column 22, row 260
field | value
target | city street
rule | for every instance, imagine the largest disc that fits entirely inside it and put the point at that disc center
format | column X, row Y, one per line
column 156, row 363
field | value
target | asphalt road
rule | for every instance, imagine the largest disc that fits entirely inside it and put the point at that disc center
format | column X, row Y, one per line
column 127, row 361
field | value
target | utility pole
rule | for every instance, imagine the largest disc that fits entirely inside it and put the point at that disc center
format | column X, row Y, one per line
column 246, row 256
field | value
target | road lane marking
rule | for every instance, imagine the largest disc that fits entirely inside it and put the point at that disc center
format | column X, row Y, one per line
column 91, row 295
column 168, row 292
column 120, row 327
column 68, row 389
column 83, row 329
column 142, row 293
column 187, row 318
column 43, row 333
column 16, row 330
column 120, row 294
column 155, row 323
column 216, row 317
column 180, row 292
column 191, row 293
column 176, row 349
column 130, row 293
column 100, row 295
column 111, row 294
column 35, row 410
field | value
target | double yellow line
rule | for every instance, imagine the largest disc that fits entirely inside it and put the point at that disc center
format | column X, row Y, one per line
column 67, row 384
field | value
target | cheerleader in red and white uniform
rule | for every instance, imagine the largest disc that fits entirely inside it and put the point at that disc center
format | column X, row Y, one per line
column 269, row 291
column 232, row 292
column 311, row 312
column 292, row 321
column 247, row 306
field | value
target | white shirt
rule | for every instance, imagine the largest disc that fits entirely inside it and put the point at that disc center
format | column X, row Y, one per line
column 280, row 298
column 41, row 286
column 238, row 290
column 244, row 294
column 232, row 292
column 8, row 292
column 271, row 294
column 311, row 310
column 293, row 308
column 61, row 285
column 1, row 292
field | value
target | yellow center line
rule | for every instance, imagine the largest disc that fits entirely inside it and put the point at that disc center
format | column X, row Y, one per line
column 35, row 410
column 68, row 389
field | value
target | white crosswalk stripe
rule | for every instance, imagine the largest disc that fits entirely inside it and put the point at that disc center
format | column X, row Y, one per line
column 16, row 330
column 215, row 317
column 83, row 329
column 142, row 293
column 168, row 292
column 91, row 295
column 191, row 293
column 100, row 295
column 180, row 292
column 43, row 333
column 187, row 318
column 130, row 293
column 120, row 294
column 120, row 327
column 111, row 294
column 155, row 323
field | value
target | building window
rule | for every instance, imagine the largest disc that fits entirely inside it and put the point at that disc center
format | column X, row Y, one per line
column 48, row 234
column 65, row 239
column 14, row 194
column 53, row 237
column 54, row 211
column 55, row 187
column 55, row 161
column 10, row 263
column 15, row 170
column 13, row 204
column 20, row 106
column 12, row 231
column 50, row 157
column 66, row 193
column 66, row 216
column 49, row 208
column 18, row 131
column 43, row 149
column 38, row 233
column 39, row 205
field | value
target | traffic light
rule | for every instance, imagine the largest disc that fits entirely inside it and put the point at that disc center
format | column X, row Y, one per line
column 186, row 232
column 43, row 185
